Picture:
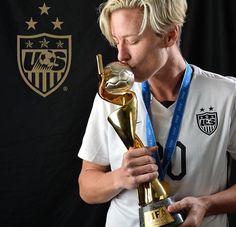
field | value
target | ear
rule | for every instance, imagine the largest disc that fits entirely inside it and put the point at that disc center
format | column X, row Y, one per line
column 172, row 36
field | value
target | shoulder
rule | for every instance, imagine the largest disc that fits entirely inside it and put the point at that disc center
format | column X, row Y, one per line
column 212, row 79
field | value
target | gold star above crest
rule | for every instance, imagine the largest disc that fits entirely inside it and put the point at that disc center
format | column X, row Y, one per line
column 57, row 24
column 31, row 23
column 44, row 9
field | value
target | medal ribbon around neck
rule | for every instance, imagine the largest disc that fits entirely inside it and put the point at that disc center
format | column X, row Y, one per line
column 175, row 124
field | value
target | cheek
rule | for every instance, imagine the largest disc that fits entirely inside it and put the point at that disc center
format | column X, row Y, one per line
column 147, row 57
column 141, row 52
column 160, row 55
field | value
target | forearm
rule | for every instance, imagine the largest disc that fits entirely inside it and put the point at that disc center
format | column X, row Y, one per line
column 98, row 187
column 221, row 202
column 98, row 184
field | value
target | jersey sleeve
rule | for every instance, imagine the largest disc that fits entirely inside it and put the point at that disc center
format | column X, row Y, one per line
column 94, row 146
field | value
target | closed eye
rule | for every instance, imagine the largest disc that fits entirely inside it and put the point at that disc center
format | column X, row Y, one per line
column 133, row 42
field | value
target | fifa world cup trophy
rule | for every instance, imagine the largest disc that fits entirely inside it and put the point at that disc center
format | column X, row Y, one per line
column 116, row 80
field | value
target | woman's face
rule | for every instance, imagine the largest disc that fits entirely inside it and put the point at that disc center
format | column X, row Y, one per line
column 146, row 54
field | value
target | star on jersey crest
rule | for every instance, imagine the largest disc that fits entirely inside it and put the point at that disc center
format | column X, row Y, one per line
column 202, row 109
column 211, row 108
column 44, row 9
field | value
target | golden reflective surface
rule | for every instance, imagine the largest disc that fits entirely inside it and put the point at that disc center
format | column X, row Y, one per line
column 116, row 80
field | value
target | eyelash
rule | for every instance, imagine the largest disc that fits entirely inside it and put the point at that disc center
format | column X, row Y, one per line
column 133, row 42
column 115, row 44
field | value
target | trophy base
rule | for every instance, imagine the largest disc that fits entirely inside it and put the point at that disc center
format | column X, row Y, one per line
column 155, row 214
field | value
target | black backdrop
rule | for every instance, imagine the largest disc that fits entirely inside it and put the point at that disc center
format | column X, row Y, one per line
column 41, row 128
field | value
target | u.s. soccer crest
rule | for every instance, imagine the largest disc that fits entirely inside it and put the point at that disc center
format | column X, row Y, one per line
column 207, row 122
column 44, row 61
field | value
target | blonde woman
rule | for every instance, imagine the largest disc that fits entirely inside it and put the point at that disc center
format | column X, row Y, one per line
column 146, row 34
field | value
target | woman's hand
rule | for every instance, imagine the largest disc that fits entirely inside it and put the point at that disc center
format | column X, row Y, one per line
column 138, row 166
column 196, row 209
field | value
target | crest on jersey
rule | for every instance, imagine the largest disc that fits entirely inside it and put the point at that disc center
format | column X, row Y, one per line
column 44, row 61
column 207, row 122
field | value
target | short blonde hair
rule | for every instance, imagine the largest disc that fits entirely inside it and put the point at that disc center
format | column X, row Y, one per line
column 159, row 14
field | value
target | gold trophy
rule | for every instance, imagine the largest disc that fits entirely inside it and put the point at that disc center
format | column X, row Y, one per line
column 116, row 80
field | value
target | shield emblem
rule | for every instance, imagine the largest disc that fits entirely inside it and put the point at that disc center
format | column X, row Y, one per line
column 207, row 122
column 44, row 61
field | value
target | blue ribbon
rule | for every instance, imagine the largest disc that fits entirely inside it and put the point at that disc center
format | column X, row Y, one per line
column 175, row 124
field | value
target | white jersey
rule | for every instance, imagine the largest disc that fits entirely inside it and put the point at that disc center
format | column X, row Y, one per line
column 199, row 164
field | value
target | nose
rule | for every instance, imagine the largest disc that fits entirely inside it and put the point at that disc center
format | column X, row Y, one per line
column 123, row 53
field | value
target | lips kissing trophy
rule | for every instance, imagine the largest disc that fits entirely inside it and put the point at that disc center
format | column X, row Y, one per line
column 116, row 80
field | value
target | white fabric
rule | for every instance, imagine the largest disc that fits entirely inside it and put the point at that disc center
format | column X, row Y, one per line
column 206, row 154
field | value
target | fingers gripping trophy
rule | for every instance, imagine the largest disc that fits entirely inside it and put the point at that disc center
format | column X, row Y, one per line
column 116, row 80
